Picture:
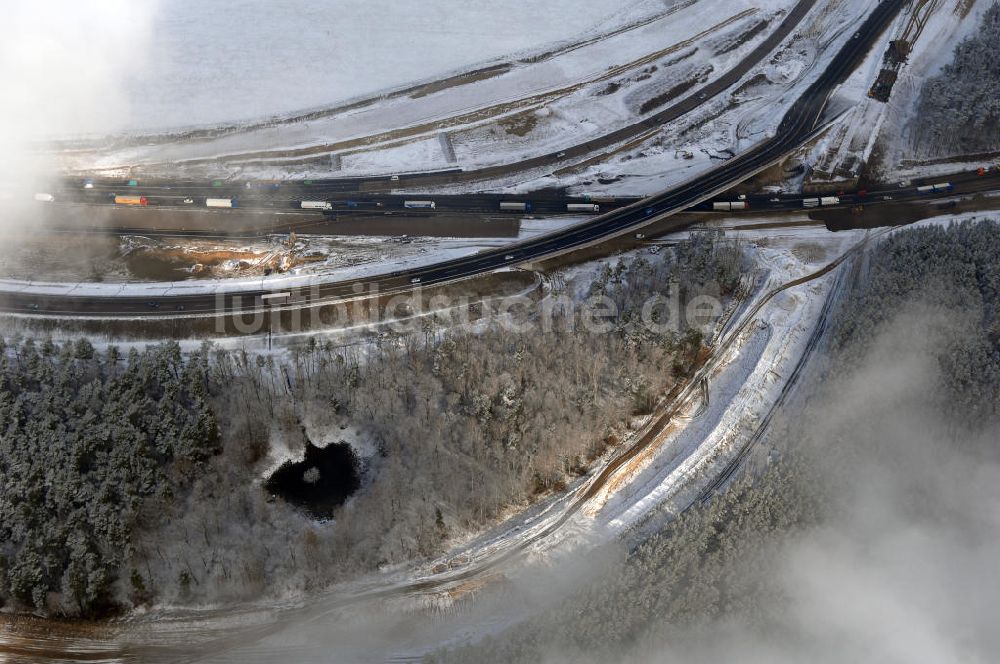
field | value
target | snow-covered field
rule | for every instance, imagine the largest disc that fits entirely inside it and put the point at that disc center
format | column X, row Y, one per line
column 589, row 81
column 208, row 63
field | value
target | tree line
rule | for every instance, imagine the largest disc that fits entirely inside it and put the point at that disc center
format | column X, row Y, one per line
column 959, row 109
column 138, row 479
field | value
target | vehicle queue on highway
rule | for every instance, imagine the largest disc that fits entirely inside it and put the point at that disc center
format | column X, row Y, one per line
column 574, row 205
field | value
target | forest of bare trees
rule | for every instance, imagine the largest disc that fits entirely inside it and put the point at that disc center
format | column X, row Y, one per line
column 959, row 109
column 462, row 425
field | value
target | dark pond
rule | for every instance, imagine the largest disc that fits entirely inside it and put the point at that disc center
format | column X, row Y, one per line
column 321, row 482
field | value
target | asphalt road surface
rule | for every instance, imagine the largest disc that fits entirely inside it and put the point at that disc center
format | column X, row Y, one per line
column 796, row 128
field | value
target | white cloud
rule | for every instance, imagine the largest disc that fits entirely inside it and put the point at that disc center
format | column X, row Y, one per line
column 65, row 65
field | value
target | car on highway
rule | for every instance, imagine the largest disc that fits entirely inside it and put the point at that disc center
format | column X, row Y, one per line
column 508, row 257
column 640, row 236
column 415, row 280
column 152, row 304
column 649, row 211
column 188, row 201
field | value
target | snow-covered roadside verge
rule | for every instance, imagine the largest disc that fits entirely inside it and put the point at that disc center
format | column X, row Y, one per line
column 747, row 383
column 732, row 122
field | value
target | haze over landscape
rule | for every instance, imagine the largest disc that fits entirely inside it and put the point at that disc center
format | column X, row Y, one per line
column 656, row 331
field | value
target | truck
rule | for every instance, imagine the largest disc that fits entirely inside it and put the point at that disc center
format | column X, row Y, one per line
column 220, row 202
column 511, row 206
column 419, row 205
column 810, row 202
column 131, row 200
column 583, row 207
column 275, row 298
column 316, row 205
column 44, row 198
column 726, row 206
column 934, row 188
column 829, row 200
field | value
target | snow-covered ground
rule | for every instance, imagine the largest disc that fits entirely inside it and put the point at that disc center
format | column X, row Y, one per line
column 554, row 95
column 867, row 123
column 741, row 389
column 748, row 113
column 551, row 97
column 931, row 53
column 209, row 63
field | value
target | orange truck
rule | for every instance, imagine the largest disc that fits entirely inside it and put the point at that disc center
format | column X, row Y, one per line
column 131, row 200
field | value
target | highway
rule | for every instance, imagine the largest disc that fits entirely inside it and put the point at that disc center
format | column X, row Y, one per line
column 796, row 128
column 287, row 200
column 454, row 215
